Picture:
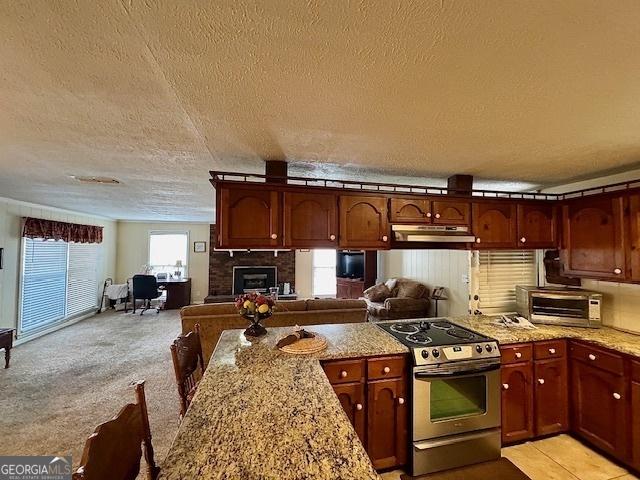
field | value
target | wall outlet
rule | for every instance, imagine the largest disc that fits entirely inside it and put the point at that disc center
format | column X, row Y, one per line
column 465, row 278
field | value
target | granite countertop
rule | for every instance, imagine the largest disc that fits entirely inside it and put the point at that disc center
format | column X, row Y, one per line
column 263, row 414
column 607, row 337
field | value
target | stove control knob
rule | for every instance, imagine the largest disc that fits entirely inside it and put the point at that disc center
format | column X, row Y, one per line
column 479, row 348
column 489, row 348
column 425, row 354
column 435, row 353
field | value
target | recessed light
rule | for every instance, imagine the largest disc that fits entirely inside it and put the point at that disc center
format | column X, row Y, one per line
column 96, row 180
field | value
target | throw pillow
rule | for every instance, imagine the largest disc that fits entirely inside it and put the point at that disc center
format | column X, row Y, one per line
column 411, row 290
column 377, row 293
column 391, row 283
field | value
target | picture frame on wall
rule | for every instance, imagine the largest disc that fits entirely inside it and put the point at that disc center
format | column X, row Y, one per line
column 199, row 247
column 1, row 258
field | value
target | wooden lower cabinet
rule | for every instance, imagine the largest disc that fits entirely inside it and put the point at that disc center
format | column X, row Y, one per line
column 353, row 401
column 349, row 287
column 517, row 402
column 601, row 403
column 387, row 423
column 551, row 394
column 376, row 406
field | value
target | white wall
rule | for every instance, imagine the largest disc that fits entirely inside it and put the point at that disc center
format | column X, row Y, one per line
column 445, row 268
column 304, row 274
column 133, row 252
column 11, row 214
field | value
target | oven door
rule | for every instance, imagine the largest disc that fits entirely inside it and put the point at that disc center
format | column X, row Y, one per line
column 455, row 399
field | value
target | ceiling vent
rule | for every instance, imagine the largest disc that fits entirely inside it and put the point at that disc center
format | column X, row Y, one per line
column 96, row 180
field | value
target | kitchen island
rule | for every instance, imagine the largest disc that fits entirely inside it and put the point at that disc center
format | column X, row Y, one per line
column 263, row 414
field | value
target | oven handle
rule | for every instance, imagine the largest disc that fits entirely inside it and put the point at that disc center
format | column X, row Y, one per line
column 456, row 373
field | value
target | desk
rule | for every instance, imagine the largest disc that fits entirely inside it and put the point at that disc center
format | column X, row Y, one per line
column 178, row 292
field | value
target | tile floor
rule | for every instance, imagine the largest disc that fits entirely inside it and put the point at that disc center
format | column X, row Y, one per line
column 557, row 458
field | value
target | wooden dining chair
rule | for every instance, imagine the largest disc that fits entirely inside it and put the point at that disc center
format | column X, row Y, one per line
column 115, row 448
column 188, row 363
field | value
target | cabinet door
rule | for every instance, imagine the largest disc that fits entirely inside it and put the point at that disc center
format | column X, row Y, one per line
column 410, row 210
column 310, row 220
column 387, row 423
column 249, row 217
column 600, row 407
column 634, row 240
column 594, row 240
column 352, row 399
column 551, row 387
column 494, row 224
column 635, row 424
column 536, row 225
column 449, row 212
column 517, row 402
column 343, row 288
column 363, row 222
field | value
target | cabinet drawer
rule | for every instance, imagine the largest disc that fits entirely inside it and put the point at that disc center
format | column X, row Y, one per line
column 635, row 373
column 598, row 357
column 550, row 349
column 386, row 367
column 344, row 371
column 514, row 353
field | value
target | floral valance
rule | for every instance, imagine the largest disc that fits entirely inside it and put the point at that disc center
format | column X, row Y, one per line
column 69, row 232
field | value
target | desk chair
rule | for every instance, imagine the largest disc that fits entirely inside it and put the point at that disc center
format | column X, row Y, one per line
column 114, row 449
column 145, row 287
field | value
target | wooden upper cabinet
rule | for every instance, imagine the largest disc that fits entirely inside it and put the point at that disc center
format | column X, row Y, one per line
column 594, row 237
column 364, row 222
column 248, row 217
column 310, row 220
column 494, row 224
column 450, row 212
column 410, row 210
column 634, row 238
column 536, row 225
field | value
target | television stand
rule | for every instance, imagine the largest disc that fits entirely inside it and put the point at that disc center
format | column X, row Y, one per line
column 349, row 287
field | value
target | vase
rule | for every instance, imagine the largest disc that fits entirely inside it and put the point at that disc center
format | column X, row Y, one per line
column 256, row 329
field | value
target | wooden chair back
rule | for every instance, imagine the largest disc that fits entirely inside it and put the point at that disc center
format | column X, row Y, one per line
column 188, row 363
column 114, row 449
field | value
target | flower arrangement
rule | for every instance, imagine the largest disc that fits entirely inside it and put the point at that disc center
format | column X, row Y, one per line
column 255, row 307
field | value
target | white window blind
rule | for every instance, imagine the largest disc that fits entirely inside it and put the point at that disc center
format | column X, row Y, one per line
column 499, row 272
column 44, row 283
column 82, row 278
column 59, row 280
column 324, row 272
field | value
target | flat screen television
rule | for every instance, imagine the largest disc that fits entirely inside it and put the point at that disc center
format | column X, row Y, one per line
column 350, row 265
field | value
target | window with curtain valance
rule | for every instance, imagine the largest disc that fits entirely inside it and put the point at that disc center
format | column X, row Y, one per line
column 67, row 232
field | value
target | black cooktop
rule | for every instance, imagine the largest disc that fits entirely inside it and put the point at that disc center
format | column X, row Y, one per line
column 432, row 331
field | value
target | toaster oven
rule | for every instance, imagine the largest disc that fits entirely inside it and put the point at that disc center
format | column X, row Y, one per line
column 572, row 307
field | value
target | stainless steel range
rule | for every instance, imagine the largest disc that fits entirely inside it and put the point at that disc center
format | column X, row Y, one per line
column 455, row 385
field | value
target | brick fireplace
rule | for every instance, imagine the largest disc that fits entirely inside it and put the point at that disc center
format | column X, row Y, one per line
column 221, row 266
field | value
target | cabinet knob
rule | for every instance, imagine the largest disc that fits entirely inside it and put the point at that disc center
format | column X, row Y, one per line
column 617, row 396
column 617, row 271
column 401, row 401
column 343, row 374
column 274, row 236
column 386, row 369
column 477, row 240
column 505, row 386
column 437, row 215
column 552, row 351
column 523, row 240
column 518, row 355
column 332, row 237
column 541, row 381
column 428, row 215
column 592, row 357
column 384, row 238
column 358, row 406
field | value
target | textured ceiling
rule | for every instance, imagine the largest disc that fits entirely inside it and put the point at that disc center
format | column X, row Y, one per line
column 157, row 93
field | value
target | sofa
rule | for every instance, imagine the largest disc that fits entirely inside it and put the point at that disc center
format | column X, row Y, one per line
column 396, row 299
column 214, row 318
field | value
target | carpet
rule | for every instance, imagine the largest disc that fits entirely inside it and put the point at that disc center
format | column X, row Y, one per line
column 501, row 469
column 62, row 385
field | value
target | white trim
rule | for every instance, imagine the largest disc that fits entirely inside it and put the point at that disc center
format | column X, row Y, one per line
column 167, row 222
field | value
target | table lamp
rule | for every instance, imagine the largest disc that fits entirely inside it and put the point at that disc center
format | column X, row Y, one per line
column 178, row 271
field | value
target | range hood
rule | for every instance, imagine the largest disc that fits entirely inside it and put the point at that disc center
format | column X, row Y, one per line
column 432, row 233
